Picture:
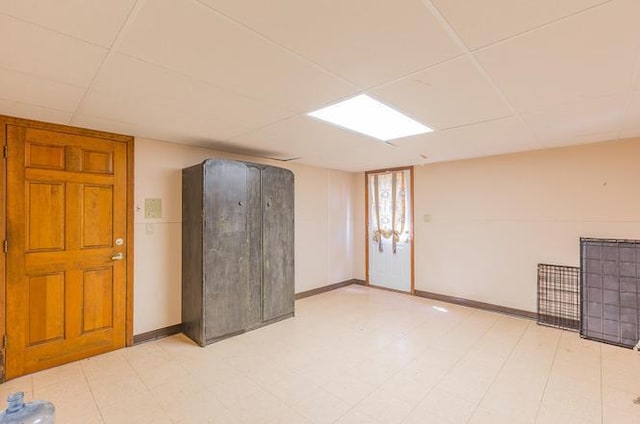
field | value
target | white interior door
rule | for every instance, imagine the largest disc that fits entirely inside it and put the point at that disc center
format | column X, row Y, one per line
column 389, row 230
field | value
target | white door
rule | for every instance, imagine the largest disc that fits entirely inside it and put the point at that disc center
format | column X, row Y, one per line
column 389, row 229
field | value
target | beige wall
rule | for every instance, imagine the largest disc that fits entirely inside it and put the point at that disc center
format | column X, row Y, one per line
column 359, row 227
column 324, row 228
column 493, row 219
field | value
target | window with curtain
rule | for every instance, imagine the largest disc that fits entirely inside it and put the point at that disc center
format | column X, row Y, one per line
column 389, row 208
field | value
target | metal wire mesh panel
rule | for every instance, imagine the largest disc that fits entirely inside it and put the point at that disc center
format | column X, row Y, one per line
column 559, row 296
column 610, row 290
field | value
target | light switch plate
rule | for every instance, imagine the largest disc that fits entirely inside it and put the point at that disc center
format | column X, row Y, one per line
column 153, row 208
column 426, row 217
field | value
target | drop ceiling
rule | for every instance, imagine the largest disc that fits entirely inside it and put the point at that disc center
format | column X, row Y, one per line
column 490, row 77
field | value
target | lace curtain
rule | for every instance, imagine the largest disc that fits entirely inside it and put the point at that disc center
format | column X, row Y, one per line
column 389, row 208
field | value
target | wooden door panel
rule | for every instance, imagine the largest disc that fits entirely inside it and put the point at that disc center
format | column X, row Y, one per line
column 45, row 210
column 99, row 162
column 66, row 296
column 97, row 216
column 46, row 308
column 97, row 299
column 44, row 156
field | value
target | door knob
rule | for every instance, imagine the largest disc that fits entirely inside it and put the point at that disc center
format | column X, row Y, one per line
column 118, row 256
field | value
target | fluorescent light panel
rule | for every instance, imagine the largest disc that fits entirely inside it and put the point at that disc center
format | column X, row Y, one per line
column 370, row 117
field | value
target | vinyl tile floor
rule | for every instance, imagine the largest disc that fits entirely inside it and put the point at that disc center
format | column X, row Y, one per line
column 355, row 355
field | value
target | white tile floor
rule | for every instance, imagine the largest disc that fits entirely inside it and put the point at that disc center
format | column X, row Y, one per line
column 355, row 355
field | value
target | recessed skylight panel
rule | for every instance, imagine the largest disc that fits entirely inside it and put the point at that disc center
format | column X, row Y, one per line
column 368, row 116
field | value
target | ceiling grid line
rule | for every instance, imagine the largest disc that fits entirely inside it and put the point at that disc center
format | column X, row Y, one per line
column 53, row 109
column 236, row 75
column 452, row 32
column 416, row 72
column 36, row 76
column 26, row 21
column 194, row 78
column 538, row 27
column 470, row 124
column 275, row 43
column 226, row 89
column 111, row 51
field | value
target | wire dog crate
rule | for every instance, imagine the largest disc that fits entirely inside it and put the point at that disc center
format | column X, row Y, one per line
column 610, row 290
column 559, row 296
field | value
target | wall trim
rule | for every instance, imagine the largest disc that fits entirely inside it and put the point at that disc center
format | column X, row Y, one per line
column 330, row 287
column 160, row 333
column 177, row 328
column 478, row 305
column 390, row 290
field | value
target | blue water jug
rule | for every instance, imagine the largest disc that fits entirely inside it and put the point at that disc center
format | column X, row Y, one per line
column 18, row 412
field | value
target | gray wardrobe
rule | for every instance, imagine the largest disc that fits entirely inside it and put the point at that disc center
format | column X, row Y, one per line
column 237, row 248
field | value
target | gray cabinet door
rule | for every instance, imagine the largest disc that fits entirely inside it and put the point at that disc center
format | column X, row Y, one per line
column 192, row 261
column 254, row 227
column 226, row 267
column 277, row 245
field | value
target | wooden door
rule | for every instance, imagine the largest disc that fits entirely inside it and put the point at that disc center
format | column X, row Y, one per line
column 278, row 247
column 67, row 231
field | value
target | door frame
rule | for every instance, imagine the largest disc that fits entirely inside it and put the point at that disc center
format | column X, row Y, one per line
column 129, row 141
column 411, row 218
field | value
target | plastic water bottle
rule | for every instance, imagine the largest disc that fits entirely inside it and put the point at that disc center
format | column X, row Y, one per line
column 18, row 412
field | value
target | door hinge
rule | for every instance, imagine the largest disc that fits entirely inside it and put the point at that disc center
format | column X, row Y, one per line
column 6, row 151
column 5, row 340
column 5, row 246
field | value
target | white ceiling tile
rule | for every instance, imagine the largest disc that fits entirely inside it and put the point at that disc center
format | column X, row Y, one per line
column 29, row 111
column 479, row 23
column 32, row 49
column 365, row 42
column 501, row 136
column 320, row 144
column 437, row 147
column 96, row 21
column 170, row 131
column 128, row 90
column 103, row 124
column 18, row 87
column 572, row 124
column 190, row 38
column 448, row 95
column 242, row 82
column 580, row 58
column 585, row 139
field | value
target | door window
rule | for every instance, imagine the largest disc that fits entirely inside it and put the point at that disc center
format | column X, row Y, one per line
column 389, row 208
